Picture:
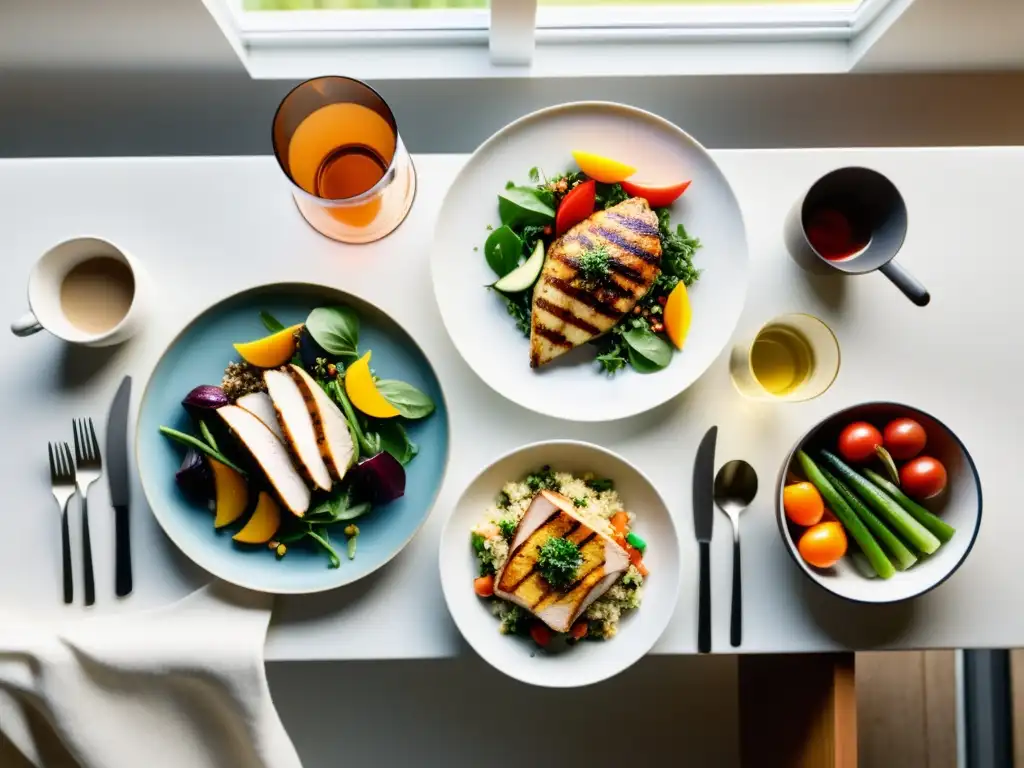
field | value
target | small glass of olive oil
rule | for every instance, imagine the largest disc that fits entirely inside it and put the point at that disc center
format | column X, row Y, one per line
column 792, row 357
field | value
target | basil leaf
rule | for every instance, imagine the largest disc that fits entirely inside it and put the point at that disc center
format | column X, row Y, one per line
column 271, row 323
column 502, row 249
column 525, row 205
column 410, row 402
column 646, row 344
column 395, row 440
column 640, row 363
column 336, row 329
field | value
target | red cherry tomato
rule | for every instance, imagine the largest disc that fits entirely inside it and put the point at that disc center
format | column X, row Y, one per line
column 923, row 477
column 541, row 634
column 656, row 196
column 857, row 442
column 577, row 204
column 904, row 438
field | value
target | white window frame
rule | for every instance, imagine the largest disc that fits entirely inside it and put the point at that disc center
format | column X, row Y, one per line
column 515, row 38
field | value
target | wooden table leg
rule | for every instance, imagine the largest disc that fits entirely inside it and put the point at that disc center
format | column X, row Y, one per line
column 798, row 711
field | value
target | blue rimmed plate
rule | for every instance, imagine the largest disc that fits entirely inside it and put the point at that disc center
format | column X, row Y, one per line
column 198, row 356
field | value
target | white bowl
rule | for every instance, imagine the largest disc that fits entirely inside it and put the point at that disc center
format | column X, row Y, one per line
column 959, row 505
column 586, row 662
column 571, row 388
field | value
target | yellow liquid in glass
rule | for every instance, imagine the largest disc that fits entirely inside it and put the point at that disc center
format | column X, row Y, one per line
column 781, row 360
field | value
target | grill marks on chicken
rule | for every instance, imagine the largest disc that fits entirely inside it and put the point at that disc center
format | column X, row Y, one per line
column 570, row 310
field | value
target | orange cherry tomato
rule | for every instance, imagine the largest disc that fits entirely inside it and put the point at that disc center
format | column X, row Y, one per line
column 484, row 586
column 802, row 504
column 577, row 205
column 823, row 545
column 658, row 196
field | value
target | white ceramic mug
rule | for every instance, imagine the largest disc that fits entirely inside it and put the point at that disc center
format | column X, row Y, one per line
column 44, row 293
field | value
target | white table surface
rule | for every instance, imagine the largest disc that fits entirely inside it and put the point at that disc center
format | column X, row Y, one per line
column 208, row 227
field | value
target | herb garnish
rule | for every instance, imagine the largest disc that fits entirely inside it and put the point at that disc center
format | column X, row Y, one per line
column 600, row 484
column 542, row 479
column 579, row 501
column 507, row 526
column 558, row 560
column 594, row 265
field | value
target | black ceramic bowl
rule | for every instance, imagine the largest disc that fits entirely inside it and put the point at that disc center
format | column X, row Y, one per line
column 959, row 505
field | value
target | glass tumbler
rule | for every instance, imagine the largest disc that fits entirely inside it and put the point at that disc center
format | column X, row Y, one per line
column 791, row 358
column 337, row 141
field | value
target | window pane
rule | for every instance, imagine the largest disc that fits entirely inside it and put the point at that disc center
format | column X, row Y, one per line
column 624, row 3
column 360, row 5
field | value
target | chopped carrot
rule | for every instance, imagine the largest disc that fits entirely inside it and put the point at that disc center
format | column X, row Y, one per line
column 541, row 634
column 635, row 555
column 484, row 586
column 621, row 541
column 620, row 523
column 642, row 569
column 579, row 630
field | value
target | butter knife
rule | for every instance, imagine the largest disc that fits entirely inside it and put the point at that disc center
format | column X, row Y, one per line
column 117, row 476
column 703, row 524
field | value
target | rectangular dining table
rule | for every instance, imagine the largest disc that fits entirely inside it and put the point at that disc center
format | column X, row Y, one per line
column 207, row 227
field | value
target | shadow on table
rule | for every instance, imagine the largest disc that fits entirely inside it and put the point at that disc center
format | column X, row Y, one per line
column 79, row 365
column 857, row 625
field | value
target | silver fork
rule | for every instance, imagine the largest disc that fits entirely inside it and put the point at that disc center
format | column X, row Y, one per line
column 62, row 478
column 90, row 467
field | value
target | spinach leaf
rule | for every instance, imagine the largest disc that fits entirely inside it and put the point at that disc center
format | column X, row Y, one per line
column 644, row 343
column 336, row 329
column 410, row 402
column 502, row 249
column 331, row 505
column 525, row 205
column 271, row 323
column 395, row 440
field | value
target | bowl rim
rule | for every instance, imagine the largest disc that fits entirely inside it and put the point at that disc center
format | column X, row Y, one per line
column 298, row 286
column 675, row 586
column 780, row 516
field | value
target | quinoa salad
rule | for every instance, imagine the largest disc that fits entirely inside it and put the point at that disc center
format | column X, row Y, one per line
column 593, row 504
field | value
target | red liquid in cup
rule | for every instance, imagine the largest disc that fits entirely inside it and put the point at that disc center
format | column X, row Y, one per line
column 835, row 235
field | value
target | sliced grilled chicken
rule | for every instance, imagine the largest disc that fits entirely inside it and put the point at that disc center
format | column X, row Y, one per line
column 261, row 406
column 297, row 426
column 332, row 433
column 271, row 455
column 519, row 581
column 569, row 310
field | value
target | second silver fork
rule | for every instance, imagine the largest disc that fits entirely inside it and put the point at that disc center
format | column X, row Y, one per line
column 89, row 466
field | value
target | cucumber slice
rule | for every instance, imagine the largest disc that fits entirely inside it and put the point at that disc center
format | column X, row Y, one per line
column 525, row 275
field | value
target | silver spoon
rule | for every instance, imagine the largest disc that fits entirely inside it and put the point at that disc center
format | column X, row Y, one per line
column 735, row 488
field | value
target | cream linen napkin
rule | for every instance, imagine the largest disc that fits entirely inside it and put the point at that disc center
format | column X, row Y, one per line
column 182, row 686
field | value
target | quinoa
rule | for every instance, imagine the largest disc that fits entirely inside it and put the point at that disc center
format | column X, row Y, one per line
column 240, row 379
column 491, row 537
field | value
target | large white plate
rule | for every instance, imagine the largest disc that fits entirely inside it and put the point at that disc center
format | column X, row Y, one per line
column 476, row 319
column 585, row 663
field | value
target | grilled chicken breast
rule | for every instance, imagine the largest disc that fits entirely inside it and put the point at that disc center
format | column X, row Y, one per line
column 518, row 581
column 567, row 309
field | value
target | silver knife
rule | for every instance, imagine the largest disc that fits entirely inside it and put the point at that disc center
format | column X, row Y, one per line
column 703, row 524
column 117, row 475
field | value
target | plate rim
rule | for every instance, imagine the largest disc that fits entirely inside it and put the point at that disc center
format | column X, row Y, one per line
column 676, row 585
column 540, row 114
column 312, row 287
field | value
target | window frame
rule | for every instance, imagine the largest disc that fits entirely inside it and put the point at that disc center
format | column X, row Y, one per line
column 516, row 39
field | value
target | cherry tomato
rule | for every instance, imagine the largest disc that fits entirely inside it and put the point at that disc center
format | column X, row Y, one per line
column 577, row 204
column 541, row 634
column 923, row 477
column 857, row 442
column 823, row 544
column 802, row 504
column 658, row 196
column 904, row 438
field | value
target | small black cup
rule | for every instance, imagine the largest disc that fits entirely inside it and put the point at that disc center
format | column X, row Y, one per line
column 873, row 205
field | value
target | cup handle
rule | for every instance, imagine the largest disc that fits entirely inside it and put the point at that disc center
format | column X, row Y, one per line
column 26, row 325
column 912, row 288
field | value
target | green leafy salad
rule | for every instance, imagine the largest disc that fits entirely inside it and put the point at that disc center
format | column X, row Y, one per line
column 530, row 218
